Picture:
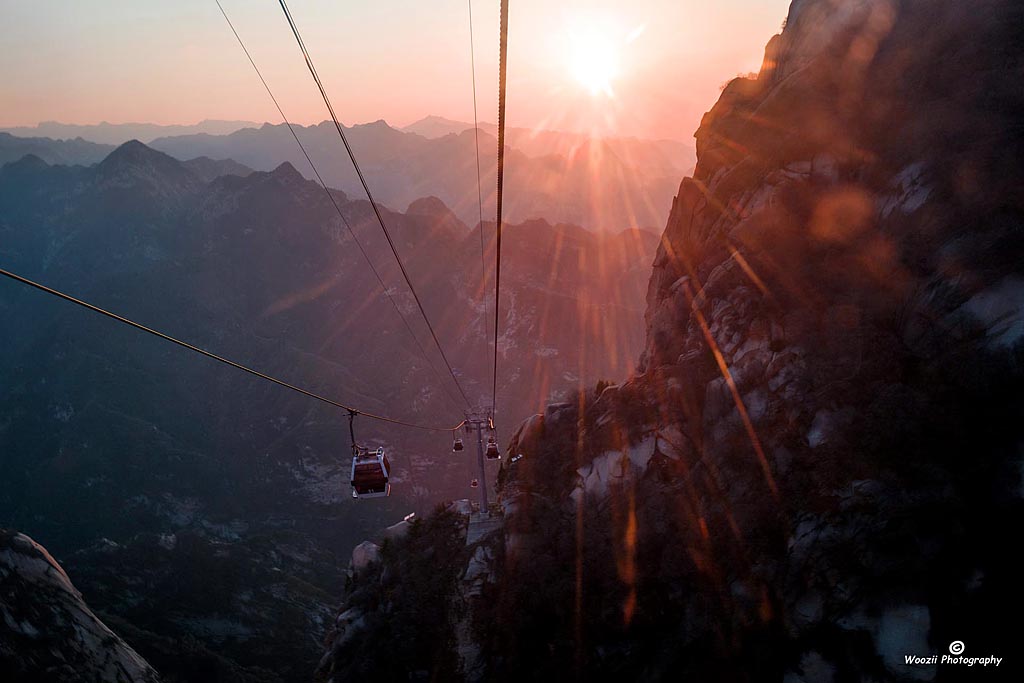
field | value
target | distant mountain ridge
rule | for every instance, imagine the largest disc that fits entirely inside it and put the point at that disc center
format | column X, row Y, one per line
column 604, row 185
column 438, row 126
column 117, row 133
column 670, row 155
column 208, row 169
column 68, row 152
column 79, row 152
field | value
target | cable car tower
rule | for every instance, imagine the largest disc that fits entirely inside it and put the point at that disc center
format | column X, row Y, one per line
column 478, row 421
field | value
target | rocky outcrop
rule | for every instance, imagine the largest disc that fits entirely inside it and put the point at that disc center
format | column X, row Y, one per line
column 803, row 476
column 425, row 581
column 404, row 611
column 48, row 633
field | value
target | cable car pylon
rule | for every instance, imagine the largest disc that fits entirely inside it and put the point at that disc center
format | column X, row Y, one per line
column 478, row 421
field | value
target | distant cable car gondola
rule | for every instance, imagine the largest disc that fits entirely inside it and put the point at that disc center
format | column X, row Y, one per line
column 492, row 452
column 457, row 443
column 474, row 484
column 371, row 473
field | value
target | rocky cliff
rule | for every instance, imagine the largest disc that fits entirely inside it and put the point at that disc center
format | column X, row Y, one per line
column 48, row 633
column 812, row 473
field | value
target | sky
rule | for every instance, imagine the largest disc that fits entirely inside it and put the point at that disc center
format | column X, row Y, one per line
column 645, row 68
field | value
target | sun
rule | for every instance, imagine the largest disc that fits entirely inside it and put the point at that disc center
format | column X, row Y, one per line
column 594, row 59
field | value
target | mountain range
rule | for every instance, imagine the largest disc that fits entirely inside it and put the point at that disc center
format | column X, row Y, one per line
column 164, row 470
column 119, row 133
column 602, row 184
column 670, row 156
column 69, row 152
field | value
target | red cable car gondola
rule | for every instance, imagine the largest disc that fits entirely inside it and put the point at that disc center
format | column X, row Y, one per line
column 371, row 473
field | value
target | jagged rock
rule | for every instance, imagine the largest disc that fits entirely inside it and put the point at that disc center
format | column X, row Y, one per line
column 399, row 615
column 478, row 564
column 48, row 633
column 811, row 315
column 397, row 529
column 365, row 554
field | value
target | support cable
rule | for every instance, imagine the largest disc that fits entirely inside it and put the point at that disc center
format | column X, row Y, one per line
column 479, row 182
column 369, row 195
column 337, row 208
column 502, row 67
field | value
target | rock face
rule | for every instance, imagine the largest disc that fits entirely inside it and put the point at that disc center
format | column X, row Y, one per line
column 820, row 405
column 403, row 616
column 48, row 633
column 810, row 475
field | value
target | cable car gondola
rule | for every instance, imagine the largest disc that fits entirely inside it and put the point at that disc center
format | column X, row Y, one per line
column 371, row 473
column 492, row 452
column 456, row 443
column 474, row 484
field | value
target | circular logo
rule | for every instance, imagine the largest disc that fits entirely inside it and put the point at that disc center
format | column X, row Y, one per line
column 956, row 647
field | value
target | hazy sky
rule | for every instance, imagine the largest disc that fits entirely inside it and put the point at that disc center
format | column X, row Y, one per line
column 634, row 67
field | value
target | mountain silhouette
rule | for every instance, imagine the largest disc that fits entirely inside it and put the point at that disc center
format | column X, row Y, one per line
column 605, row 185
